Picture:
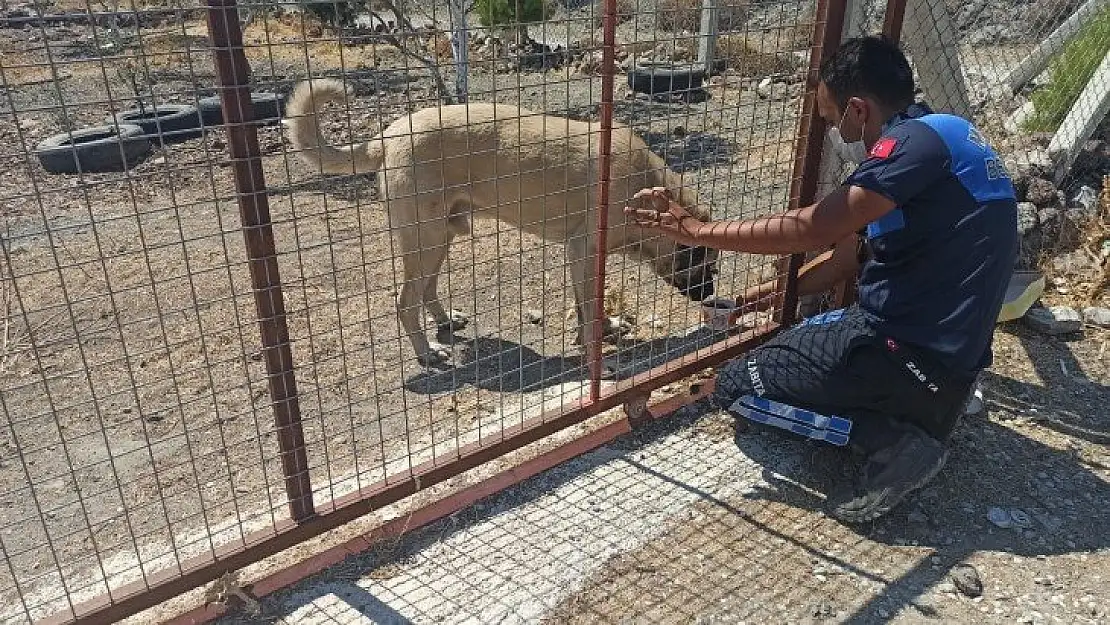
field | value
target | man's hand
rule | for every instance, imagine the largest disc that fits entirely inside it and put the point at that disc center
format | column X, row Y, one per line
column 655, row 209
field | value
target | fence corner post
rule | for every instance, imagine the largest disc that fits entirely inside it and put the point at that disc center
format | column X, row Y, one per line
column 707, row 36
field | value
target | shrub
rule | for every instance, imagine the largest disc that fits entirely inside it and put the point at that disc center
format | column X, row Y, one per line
column 504, row 12
column 742, row 56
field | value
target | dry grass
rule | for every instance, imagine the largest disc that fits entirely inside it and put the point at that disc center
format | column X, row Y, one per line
column 748, row 59
column 685, row 15
column 1091, row 287
column 301, row 39
column 1099, row 238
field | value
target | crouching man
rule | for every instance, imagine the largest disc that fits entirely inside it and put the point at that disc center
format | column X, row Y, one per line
column 929, row 220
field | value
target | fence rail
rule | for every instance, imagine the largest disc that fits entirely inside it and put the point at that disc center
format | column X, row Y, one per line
column 205, row 357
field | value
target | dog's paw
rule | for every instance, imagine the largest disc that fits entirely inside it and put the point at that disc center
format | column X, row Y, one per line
column 616, row 327
column 438, row 355
column 458, row 320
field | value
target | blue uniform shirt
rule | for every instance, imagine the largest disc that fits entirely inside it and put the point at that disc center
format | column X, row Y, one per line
column 939, row 263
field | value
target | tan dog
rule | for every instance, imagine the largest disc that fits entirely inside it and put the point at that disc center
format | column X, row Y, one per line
column 439, row 166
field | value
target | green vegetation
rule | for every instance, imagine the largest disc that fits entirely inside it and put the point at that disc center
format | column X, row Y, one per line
column 504, row 12
column 1070, row 72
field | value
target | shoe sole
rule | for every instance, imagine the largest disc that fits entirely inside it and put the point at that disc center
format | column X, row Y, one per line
column 889, row 503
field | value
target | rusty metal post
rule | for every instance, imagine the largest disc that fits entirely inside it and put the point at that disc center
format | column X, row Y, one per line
column 892, row 19
column 811, row 137
column 233, row 74
column 605, row 149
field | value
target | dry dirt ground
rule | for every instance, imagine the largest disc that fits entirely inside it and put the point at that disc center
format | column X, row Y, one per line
column 133, row 390
column 135, row 410
column 694, row 520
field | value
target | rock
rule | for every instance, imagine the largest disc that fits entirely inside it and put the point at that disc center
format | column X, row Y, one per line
column 1027, row 217
column 1031, row 163
column 763, row 89
column 967, row 580
column 1097, row 316
column 768, row 89
column 1047, row 217
column 1087, row 198
column 946, row 588
column 1041, row 192
column 1020, row 518
column 1055, row 320
column 533, row 317
column 1000, row 517
column 1014, row 123
column 1072, row 263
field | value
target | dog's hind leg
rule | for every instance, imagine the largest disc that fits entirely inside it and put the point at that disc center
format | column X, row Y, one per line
column 447, row 321
column 424, row 253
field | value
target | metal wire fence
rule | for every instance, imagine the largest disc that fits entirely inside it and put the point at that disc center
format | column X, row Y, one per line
column 175, row 407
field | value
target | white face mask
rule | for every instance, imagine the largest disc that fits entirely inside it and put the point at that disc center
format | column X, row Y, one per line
column 854, row 152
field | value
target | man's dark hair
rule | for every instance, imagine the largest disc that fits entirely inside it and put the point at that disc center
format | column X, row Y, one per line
column 869, row 66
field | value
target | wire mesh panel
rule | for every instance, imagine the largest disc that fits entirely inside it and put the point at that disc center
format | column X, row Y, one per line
column 136, row 431
column 728, row 140
column 206, row 307
column 478, row 228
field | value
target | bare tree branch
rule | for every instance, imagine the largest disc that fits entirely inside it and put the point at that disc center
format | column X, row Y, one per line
column 402, row 47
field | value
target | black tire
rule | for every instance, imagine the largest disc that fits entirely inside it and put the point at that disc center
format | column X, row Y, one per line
column 97, row 149
column 164, row 123
column 665, row 78
column 268, row 109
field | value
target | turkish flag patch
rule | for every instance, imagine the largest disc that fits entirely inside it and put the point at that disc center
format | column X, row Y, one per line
column 884, row 147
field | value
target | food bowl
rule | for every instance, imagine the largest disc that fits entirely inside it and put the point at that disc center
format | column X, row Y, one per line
column 719, row 313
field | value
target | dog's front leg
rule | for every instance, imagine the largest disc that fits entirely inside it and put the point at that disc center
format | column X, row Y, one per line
column 582, row 272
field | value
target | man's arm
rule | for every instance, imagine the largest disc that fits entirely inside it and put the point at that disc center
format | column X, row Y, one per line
column 841, row 213
column 816, row 276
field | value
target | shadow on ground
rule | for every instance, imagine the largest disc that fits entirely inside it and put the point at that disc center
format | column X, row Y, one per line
column 766, row 552
column 496, row 364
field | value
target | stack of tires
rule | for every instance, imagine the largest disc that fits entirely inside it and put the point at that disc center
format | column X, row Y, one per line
column 128, row 137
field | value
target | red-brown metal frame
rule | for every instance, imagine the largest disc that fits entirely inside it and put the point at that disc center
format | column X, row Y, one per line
column 605, row 150
column 306, row 522
column 810, row 141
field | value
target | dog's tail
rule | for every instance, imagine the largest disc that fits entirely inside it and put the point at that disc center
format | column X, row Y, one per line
column 301, row 115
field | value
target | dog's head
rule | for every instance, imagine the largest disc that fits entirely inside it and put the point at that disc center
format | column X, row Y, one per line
column 691, row 270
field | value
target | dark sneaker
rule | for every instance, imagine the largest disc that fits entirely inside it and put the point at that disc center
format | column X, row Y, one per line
column 891, row 474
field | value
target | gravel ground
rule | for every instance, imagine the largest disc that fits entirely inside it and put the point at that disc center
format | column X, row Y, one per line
column 694, row 520
column 134, row 395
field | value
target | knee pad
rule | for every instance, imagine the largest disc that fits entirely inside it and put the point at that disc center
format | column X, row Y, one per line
column 828, row 428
